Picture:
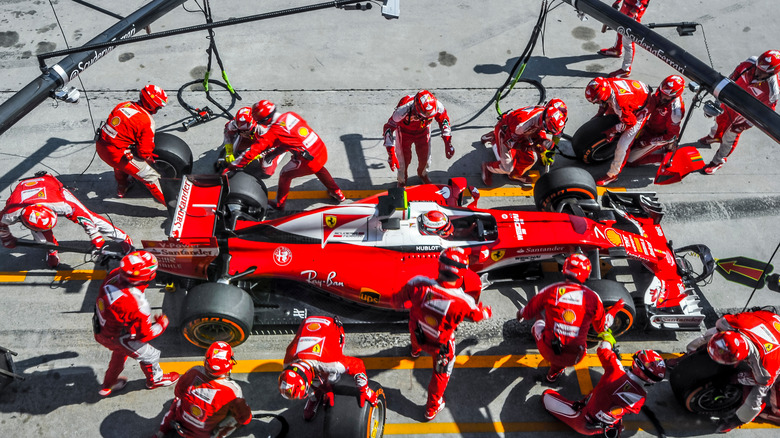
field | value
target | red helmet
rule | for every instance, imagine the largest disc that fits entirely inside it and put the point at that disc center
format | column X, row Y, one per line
column 244, row 120
column 598, row 90
column 138, row 267
column 577, row 267
column 672, row 86
column 295, row 380
column 425, row 104
column 435, row 222
column 451, row 261
column 153, row 98
column 219, row 359
column 769, row 61
column 39, row 217
column 648, row 366
column 263, row 112
column 728, row 347
column 555, row 115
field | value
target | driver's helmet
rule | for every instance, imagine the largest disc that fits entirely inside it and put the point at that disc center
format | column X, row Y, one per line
column 152, row 98
column 452, row 261
column 435, row 222
column 769, row 61
column 728, row 348
column 38, row 217
column 577, row 267
column 649, row 366
column 598, row 90
column 295, row 380
column 671, row 87
column 263, row 112
column 425, row 104
column 219, row 359
column 138, row 267
column 244, row 120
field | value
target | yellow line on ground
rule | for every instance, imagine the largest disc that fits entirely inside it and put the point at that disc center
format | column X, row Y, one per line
column 531, row 426
column 80, row 275
column 12, row 277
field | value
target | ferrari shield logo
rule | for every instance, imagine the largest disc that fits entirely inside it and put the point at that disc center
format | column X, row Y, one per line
column 330, row 221
column 497, row 255
column 768, row 346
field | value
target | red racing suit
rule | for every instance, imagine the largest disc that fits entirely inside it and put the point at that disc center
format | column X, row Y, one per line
column 237, row 142
column 762, row 328
column 570, row 308
column 410, row 129
column 126, row 143
column 634, row 9
column 628, row 101
column 659, row 133
column 48, row 191
column 435, row 311
column 289, row 132
column 319, row 343
column 618, row 393
column 205, row 406
column 124, row 324
column 517, row 139
column 730, row 124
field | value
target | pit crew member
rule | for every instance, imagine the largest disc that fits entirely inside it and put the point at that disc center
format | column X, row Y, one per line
column 634, row 9
column 520, row 137
column 436, row 308
column 123, row 323
column 627, row 98
column 662, row 128
column 207, row 402
column 410, row 125
column 753, row 337
column 619, row 392
column 759, row 77
column 570, row 308
column 126, row 141
column 37, row 202
column 289, row 132
column 315, row 360
column 239, row 136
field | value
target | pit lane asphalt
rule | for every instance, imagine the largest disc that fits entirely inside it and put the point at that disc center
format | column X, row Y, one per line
column 344, row 71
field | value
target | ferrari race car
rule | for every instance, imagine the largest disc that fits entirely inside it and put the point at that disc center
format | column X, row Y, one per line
column 241, row 270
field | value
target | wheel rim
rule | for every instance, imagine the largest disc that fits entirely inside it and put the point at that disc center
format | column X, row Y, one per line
column 165, row 169
column 623, row 321
column 602, row 151
column 718, row 399
column 205, row 333
column 377, row 421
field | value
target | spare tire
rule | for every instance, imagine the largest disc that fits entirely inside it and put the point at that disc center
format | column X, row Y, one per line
column 247, row 190
column 589, row 142
column 217, row 312
column 611, row 292
column 346, row 419
column 173, row 156
column 562, row 184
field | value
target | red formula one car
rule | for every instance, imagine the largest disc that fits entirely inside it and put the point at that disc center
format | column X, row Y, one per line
column 353, row 259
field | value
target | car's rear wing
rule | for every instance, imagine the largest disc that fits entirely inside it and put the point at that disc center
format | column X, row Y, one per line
column 196, row 206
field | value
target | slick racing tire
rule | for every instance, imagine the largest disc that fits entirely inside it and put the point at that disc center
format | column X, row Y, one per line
column 703, row 386
column 217, row 312
column 346, row 419
column 174, row 156
column 611, row 292
column 248, row 192
column 589, row 142
column 553, row 189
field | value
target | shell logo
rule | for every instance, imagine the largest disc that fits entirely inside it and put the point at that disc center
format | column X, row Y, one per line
column 30, row 183
column 614, row 237
column 431, row 321
column 101, row 305
column 303, row 132
column 196, row 411
column 569, row 316
column 776, row 325
column 313, row 327
column 616, row 411
column 115, row 121
column 636, row 85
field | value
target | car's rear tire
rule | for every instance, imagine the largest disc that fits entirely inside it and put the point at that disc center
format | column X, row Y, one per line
column 217, row 312
column 702, row 385
column 248, row 191
column 714, row 400
column 346, row 419
column 563, row 184
column 174, row 156
column 589, row 142
column 611, row 292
